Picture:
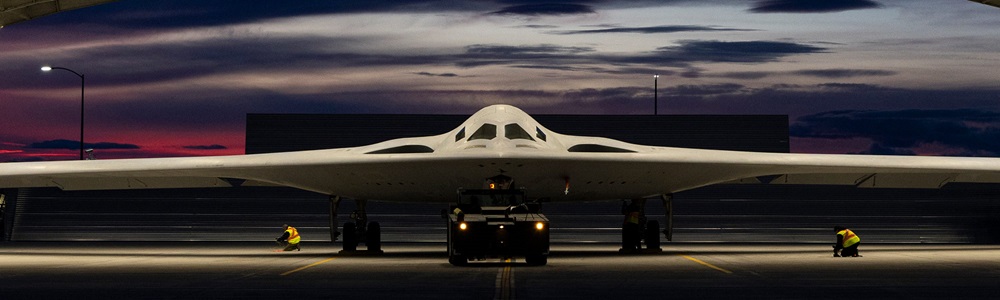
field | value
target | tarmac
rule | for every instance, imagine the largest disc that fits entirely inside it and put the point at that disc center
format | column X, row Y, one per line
column 253, row 270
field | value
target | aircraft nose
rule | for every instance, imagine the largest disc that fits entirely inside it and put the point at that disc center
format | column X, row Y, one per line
column 502, row 143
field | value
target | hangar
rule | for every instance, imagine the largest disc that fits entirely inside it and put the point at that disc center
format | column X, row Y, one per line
column 958, row 213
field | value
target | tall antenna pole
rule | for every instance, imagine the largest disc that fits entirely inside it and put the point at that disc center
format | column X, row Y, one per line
column 656, row 94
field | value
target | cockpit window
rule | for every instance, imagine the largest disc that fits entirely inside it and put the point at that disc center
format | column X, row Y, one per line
column 539, row 134
column 514, row 131
column 460, row 135
column 486, row 132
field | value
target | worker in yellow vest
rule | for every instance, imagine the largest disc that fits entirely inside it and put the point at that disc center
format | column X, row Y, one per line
column 631, row 227
column 290, row 239
column 847, row 243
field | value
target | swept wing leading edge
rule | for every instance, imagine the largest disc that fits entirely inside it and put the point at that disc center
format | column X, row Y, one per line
column 549, row 165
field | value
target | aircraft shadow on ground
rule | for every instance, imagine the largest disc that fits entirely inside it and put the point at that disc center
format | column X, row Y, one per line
column 326, row 251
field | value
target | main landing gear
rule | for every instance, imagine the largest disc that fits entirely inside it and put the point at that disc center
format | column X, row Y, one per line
column 359, row 231
column 636, row 228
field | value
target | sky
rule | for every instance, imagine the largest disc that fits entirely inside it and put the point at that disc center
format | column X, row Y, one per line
column 177, row 78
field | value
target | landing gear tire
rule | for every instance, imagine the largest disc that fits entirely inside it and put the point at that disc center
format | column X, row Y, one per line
column 536, row 260
column 652, row 235
column 630, row 237
column 350, row 237
column 457, row 260
column 374, row 237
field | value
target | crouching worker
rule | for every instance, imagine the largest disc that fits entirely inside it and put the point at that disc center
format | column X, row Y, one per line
column 290, row 239
column 847, row 243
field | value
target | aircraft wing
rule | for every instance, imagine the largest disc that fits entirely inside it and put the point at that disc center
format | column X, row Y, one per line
column 864, row 171
column 652, row 171
column 13, row 11
column 434, row 177
column 494, row 142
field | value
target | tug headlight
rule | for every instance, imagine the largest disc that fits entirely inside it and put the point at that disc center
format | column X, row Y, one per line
column 539, row 225
column 463, row 226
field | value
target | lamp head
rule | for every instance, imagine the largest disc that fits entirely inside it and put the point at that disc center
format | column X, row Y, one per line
column 46, row 68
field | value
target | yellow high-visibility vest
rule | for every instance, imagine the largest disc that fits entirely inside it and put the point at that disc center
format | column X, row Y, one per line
column 849, row 238
column 632, row 217
column 293, row 235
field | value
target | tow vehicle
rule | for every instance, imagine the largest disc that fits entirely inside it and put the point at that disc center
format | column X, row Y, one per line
column 496, row 222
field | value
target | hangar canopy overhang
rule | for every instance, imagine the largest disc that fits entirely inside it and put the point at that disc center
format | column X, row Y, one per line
column 989, row 2
column 14, row 11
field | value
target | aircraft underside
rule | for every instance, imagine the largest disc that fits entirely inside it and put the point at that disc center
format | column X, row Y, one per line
column 500, row 221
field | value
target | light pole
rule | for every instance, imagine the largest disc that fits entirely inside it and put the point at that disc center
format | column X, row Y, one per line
column 82, row 81
column 656, row 94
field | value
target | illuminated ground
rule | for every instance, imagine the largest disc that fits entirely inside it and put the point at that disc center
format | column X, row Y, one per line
column 411, row 271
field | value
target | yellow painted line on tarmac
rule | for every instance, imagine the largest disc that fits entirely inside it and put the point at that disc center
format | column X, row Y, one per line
column 707, row 264
column 505, row 283
column 309, row 266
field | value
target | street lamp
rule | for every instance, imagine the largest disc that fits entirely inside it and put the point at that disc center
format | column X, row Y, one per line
column 656, row 94
column 47, row 69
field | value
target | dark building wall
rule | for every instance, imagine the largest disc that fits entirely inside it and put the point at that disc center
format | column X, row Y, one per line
column 291, row 132
column 7, row 206
column 725, row 213
column 211, row 214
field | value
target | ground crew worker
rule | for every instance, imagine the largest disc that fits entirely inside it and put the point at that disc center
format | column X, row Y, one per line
column 290, row 239
column 459, row 214
column 630, row 227
column 847, row 243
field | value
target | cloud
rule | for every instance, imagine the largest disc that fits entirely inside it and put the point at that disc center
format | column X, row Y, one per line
column 548, row 67
column 75, row 145
column 538, row 26
column 484, row 55
column 141, row 63
column 742, row 75
column 843, row 73
column 741, row 51
column 817, row 73
column 545, row 9
column 436, row 74
column 967, row 132
column 130, row 64
column 852, row 86
column 201, row 13
column 206, row 147
column 704, row 90
column 811, row 6
column 681, row 55
column 650, row 29
column 158, row 15
column 506, row 50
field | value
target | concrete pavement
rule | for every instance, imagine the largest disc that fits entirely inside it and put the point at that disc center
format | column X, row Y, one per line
column 420, row 271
